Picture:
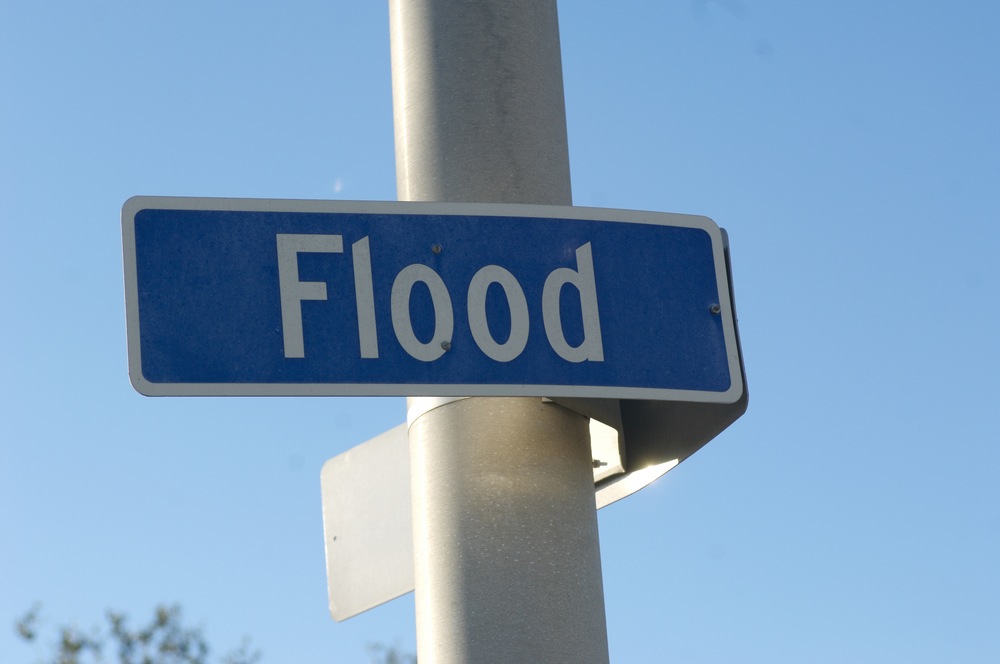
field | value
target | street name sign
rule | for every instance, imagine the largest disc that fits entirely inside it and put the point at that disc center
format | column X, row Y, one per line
column 283, row 297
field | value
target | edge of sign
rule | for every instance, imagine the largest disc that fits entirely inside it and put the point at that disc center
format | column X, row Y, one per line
column 137, row 203
column 152, row 389
column 129, row 210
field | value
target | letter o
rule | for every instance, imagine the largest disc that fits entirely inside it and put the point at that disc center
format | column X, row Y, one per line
column 518, row 305
column 444, row 318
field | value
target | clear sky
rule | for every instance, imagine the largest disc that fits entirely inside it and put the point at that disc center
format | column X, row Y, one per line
column 852, row 151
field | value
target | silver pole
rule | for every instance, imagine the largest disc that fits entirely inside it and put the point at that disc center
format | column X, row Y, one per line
column 506, row 556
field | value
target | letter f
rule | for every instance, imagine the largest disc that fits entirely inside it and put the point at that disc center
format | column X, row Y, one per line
column 294, row 291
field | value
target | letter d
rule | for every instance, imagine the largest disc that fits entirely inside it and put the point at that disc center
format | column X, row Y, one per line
column 592, row 346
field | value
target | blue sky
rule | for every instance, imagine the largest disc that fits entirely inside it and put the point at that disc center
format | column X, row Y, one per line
column 850, row 149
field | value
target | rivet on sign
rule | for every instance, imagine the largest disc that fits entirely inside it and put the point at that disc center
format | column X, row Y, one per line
column 715, row 309
column 446, row 345
column 436, row 249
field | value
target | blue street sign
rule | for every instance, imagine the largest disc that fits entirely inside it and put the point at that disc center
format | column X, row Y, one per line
column 265, row 297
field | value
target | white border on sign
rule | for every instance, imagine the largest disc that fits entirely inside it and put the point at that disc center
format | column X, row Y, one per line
column 137, row 203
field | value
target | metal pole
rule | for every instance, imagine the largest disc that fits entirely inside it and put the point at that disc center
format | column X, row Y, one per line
column 506, row 555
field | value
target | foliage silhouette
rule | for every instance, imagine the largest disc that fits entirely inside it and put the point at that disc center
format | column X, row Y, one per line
column 163, row 640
